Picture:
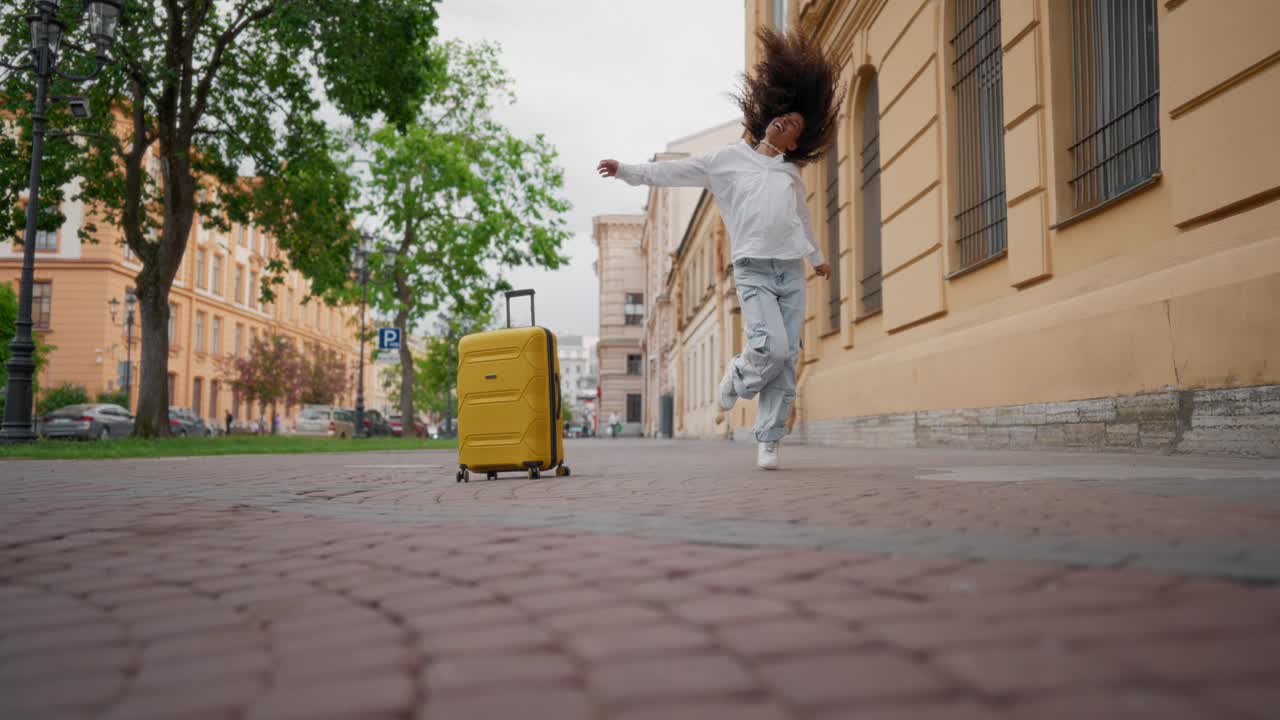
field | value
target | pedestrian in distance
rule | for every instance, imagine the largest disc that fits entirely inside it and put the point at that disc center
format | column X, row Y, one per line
column 789, row 104
column 230, row 419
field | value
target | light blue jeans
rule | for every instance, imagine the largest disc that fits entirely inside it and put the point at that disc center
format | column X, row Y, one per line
column 772, row 297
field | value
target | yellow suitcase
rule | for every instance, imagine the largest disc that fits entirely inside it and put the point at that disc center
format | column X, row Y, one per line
column 509, row 414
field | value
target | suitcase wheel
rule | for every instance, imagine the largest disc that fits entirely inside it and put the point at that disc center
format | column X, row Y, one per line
column 562, row 471
column 534, row 474
column 492, row 475
column 464, row 475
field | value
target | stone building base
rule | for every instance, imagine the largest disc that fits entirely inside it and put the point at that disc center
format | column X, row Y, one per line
column 1234, row 421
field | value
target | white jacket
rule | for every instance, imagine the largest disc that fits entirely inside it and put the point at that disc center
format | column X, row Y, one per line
column 762, row 199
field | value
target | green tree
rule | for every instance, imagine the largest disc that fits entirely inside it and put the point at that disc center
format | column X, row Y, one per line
column 267, row 374
column 321, row 377
column 9, row 328
column 115, row 397
column 62, row 396
column 459, row 198
column 203, row 89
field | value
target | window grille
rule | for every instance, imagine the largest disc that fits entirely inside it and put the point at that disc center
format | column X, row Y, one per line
column 1116, row 80
column 979, row 131
column 833, row 236
column 870, row 175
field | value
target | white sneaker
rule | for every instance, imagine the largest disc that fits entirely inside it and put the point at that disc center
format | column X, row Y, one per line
column 728, row 396
column 767, row 456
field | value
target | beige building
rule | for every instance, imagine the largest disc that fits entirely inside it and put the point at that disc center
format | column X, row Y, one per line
column 620, row 268
column 214, row 312
column 1051, row 223
column 666, row 221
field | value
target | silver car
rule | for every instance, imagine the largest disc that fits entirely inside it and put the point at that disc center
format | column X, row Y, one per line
column 87, row 422
column 324, row 421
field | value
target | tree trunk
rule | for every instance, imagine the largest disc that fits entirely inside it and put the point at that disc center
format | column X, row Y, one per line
column 406, row 378
column 152, row 418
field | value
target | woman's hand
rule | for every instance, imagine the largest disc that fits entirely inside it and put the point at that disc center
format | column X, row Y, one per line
column 823, row 270
column 607, row 168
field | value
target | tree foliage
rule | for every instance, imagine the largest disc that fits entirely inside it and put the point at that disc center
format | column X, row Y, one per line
column 205, row 89
column 267, row 374
column 61, row 396
column 8, row 328
column 320, row 377
column 459, row 197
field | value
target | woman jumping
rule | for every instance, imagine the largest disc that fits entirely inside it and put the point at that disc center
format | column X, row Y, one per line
column 789, row 108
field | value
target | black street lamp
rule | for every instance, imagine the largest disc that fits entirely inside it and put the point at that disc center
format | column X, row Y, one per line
column 130, row 302
column 360, row 258
column 42, row 60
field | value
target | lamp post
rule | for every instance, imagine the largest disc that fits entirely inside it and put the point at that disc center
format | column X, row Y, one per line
column 130, row 302
column 360, row 258
column 42, row 60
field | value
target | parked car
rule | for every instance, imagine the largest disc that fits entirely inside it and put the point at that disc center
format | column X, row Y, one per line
column 87, row 422
column 397, row 427
column 375, row 425
column 325, row 421
column 184, row 422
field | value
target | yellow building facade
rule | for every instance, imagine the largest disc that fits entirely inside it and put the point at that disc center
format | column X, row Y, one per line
column 1052, row 223
column 215, row 311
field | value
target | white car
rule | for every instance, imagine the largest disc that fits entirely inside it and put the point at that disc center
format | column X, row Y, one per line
column 322, row 421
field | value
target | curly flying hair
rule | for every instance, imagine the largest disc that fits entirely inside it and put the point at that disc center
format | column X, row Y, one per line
column 792, row 76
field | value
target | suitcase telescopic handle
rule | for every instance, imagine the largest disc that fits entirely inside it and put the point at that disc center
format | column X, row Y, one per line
column 520, row 293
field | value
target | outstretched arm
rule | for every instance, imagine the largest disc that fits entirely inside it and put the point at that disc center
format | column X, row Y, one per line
column 685, row 172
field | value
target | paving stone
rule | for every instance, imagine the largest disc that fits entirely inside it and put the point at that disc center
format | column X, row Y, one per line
column 904, row 584
column 482, row 673
column 558, row 703
column 828, row 679
column 668, row 678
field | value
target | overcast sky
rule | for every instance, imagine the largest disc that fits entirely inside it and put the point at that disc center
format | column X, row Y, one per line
column 604, row 78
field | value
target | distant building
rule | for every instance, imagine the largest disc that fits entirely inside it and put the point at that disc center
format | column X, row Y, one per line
column 620, row 268
column 578, row 380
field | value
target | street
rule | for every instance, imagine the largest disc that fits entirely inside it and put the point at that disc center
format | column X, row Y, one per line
column 661, row 580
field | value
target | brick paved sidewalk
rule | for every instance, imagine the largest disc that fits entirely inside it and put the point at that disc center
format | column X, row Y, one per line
column 661, row 580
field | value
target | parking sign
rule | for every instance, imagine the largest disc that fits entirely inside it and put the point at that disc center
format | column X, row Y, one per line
column 388, row 338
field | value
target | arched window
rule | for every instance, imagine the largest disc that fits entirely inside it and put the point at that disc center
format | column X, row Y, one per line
column 869, row 188
column 833, row 236
column 979, row 126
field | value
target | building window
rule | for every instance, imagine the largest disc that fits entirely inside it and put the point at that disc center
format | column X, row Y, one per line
column 235, row 403
column 293, row 307
column 633, row 408
column 869, row 156
column 199, row 332
column 780, row 15
column 47, row 240
column 633, row 310
column 213, row 400
column 980, row 131
column 1117, row 94
column 216, row 282
column 239, row 339
column 252, row 300
column 239, row 298
column 41, row 305
column 197, row 394
column 833, row 236
column 123, row 374
column 633, row 364
column 242, row 238
column 173, row 326
column 215, row 344
column 173, row 386
column 202, row 281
